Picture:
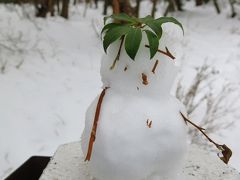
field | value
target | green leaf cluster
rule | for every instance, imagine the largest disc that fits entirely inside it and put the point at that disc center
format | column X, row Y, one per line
column 131, row 29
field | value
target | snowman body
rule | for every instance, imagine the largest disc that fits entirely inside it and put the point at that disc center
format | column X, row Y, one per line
column 141, row 134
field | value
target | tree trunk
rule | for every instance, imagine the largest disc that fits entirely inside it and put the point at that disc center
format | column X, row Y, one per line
column 96, row 3
column 58, row 6
column 154, row 8
column 41, row 8
column 231, row 2
column 65, row 4
column 217, row 6
column 127, row 8
column 51, row 7
column 106, row 4
column 199, row 2
column 170, row 7
column 116, row 6
column 122, row 6
column 179, row 5
column 137, row 8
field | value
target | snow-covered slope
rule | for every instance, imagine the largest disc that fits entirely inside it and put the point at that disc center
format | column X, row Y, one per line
column 43, row 103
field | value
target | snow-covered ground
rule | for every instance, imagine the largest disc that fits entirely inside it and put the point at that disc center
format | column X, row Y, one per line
column 43, row 103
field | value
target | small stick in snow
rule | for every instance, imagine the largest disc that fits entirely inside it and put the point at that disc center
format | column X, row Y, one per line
column 226, row 151
column 149, row 123
column 126, row 67
column 154, row 67
column 95, row 123
column 167, row 53
column 144, row 78
column 138, row 88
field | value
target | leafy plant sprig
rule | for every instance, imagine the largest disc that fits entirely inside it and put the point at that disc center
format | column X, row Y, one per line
column 130, row 29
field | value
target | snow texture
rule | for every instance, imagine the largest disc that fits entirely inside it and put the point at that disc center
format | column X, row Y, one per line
column 68, row 164
column 125, row 146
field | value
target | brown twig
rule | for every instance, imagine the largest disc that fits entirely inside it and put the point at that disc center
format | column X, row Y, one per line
column 167, row 53
column 154, row 67
column 144, row 78
column 226, row 152
column 126, row 67
column 118, row 54
column 188, row 121
column 95, row 123
column 149, row 123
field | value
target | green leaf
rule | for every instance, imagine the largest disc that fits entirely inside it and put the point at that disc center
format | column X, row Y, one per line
column 131, row 29
column 114, row 34
column 110, row 26
column 146, row 19
column 132, row 42
column 120, row 17
column 123, row 17
column 163, row 20
column 153, row 43
column 156, row 27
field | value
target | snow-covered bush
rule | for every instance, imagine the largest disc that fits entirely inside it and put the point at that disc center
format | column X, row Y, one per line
column 14, row 44
column 19, row 36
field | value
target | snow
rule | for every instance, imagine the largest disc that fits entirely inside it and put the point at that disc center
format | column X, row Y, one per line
column 125, row 147
column 43, row 103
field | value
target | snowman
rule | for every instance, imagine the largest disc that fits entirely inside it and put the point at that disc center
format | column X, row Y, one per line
column 134, row 129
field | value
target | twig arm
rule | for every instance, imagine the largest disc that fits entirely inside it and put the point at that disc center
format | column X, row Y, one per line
column 226, row 152
column 95, row 123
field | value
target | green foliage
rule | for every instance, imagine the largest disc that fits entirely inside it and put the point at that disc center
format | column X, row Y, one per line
column 132, row 42
column 113, row 34
column 153, row 42
column 131, row 29
column 163, row 20
column 120, row 17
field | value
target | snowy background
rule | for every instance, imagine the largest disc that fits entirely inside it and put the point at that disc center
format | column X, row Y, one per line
column 49, row 74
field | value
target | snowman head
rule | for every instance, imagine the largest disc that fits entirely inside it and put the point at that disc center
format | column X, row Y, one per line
column 142, row 59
